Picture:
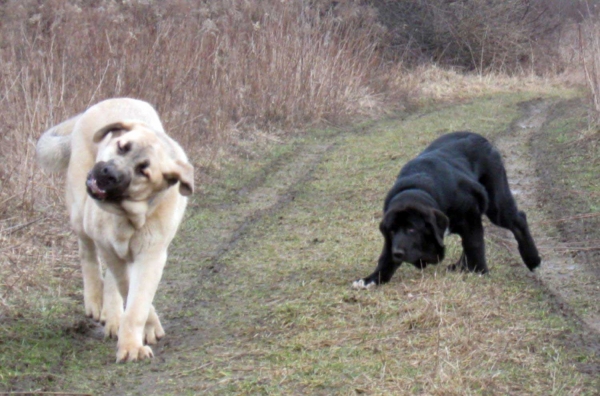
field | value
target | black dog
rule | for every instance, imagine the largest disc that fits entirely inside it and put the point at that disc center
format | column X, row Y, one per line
column 448, row 188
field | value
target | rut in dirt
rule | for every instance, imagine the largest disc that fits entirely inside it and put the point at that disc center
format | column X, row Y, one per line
column 573, row 281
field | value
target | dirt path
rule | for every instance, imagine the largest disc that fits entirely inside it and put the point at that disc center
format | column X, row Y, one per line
column 573, row 281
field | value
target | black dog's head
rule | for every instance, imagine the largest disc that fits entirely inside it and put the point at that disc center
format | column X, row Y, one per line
column 415, row 234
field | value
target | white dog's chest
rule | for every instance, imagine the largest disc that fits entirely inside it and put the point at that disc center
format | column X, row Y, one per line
column 110, row 232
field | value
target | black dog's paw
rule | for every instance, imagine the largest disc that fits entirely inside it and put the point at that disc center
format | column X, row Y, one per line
column 533, row 262
column 364, row 284
column 452, row 268
column 460, row 265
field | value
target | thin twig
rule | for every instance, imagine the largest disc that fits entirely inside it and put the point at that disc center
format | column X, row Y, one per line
column 571, row 218
column 184, row 373
column 50, row 393
column 8, row 199
column 16, row 228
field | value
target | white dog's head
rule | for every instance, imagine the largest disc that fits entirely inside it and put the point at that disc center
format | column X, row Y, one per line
column 136, row 163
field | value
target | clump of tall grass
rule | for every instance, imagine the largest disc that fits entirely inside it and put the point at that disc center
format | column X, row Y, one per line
column 589, row 48
column 208, row 67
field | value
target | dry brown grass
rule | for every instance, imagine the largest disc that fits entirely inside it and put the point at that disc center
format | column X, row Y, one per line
column 589, row 49
column 445, row 84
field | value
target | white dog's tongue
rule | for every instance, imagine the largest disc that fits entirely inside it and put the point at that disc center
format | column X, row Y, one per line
column 93, row 186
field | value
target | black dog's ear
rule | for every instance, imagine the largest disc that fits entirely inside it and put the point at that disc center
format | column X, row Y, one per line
column 439, row 222
column 385, row 224
column 390, row 220
column 383, row 228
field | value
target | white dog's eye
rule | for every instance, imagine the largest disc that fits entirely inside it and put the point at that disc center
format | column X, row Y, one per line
column 123, row 149
column 141, row 167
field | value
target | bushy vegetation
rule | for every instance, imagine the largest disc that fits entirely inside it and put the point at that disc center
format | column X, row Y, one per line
column 589, row 49
column 507, row 36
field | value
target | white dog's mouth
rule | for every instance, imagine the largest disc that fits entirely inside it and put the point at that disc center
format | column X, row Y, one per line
column 106, row 183
column 93, row 190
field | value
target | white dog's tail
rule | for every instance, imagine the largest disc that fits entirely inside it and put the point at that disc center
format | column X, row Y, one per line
column 54, row 146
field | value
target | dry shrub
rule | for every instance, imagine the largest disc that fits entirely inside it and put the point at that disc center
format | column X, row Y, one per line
column 443, row 84
column 217, row 72
column 589, row 51
column 480, row 35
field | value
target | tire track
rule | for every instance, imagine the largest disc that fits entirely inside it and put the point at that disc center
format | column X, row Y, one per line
column 571, row 281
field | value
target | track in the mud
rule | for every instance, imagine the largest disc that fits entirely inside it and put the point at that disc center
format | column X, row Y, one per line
column 572, row 281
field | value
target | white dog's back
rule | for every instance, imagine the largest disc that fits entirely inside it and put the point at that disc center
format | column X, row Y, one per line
column 55, row 145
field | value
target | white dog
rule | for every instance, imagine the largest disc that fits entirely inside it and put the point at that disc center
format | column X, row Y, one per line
column 127, row 188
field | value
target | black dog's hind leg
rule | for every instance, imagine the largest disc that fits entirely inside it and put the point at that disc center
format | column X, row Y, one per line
column 527, row 248
column 520, row 229
column 503, row 212
column 384, row 271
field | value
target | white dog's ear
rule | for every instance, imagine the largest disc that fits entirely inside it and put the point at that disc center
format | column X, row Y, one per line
column 117, row 128
column 184, row 174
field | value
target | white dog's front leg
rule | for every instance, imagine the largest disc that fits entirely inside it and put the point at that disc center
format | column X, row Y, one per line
column 144, row 275
column 112, row 309
column 153, row 330
column 92, row 278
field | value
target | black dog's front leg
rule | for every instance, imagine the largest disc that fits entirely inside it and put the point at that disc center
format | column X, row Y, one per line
column 473, row 257
column 384, row 271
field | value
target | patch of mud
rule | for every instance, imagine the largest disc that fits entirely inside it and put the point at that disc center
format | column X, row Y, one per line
column 85, row 328
column 573, row 281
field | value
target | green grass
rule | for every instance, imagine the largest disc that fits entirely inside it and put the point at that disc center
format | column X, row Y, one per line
column 256, row 298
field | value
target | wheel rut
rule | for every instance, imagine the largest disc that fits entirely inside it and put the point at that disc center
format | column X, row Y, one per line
column 573, row 282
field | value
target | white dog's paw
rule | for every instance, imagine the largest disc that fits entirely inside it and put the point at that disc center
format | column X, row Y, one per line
column 112, row 309
column 360, row 285
column 132, row 353
column 93, row 304
column 111, row 322
column 153, row 330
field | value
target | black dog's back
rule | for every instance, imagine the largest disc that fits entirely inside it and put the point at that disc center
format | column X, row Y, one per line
column 453, row 162
column 459, row 161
